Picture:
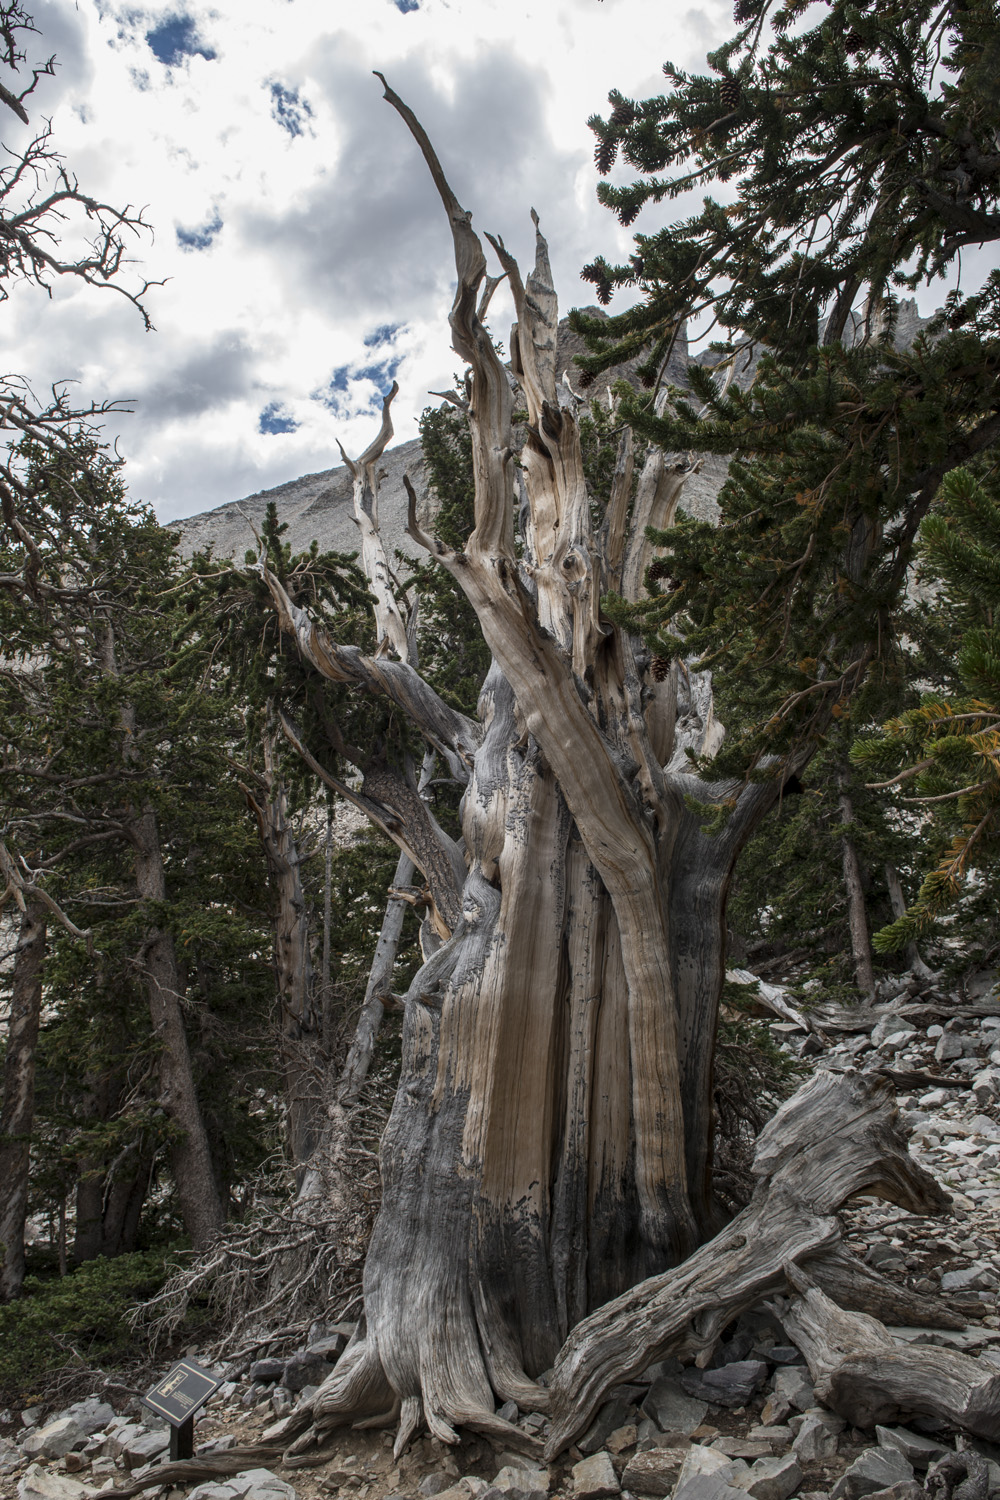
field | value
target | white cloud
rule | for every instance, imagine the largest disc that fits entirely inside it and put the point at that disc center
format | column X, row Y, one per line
column 293, row 215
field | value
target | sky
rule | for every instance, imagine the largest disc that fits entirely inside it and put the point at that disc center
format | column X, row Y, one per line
column 306, row 257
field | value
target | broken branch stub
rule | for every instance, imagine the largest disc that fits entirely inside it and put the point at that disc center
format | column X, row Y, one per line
column 837, row 1136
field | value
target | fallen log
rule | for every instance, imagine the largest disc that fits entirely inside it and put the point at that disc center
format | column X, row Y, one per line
column 861, row 1373
column 839, row 1135
column 859, row 1288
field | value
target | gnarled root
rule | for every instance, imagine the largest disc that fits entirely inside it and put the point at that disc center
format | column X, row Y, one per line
column 837, row 1136
column 860, row 1371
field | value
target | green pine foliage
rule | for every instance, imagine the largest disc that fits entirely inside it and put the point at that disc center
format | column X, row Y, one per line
column 851, row 172
column 941, row 758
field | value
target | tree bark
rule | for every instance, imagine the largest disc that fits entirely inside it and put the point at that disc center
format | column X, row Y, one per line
column 898, row 903
column 18, row 1112
column 190, row 1156
column 857, row 917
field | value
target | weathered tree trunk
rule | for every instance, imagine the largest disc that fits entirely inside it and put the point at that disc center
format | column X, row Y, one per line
column 18, row 1112
column 300, row 1023
column 898, row 903
column 550, row 1144
column 190, row 1157
column 857, row 917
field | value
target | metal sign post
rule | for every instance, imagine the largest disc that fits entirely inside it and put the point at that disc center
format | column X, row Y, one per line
column 178, row 1397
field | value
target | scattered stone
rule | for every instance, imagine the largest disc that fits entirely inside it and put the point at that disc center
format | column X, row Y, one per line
column 735, row 1447
column 903, row 1489
column 44, row 1484
column 701, row 1460
column 792, row 1385
column 669, row 1406
column 784, row 1354
column 772, row 1478
column 75, row 1463
column 875, row 1469
column 777, row 1437
column 623, row 1437
column 948, row 1047
column 776, row 1410
column 266, row 1371
column 93, row 1415
column 707, row 1487
column 736, row 1382
column 612, row 1415
column 143, row 1449
column 914, row 1446
column 974, row 1278
column 259, row 1484
column 305, row 1367
column 436, row 1484
column 595, row 1476
column 54, row 1439
column 892, row 1033
column 31, row 1416
column 330, row 1348
column 525, row 1480
column 508, row 1412
column 816, row 1439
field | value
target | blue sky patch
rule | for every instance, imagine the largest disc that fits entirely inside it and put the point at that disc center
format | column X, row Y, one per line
column 407, row 5
column 291, row 111
column 274, row 419
column 175, row 39
column 202, row 235
column 382, row 335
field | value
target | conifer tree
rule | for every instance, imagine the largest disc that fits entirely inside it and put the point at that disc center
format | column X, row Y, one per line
column 944, row 754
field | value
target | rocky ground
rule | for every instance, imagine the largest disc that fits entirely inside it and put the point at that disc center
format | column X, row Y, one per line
column 748, row 1425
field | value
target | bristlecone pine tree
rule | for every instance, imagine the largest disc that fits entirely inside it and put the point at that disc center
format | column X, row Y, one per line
column 548, row 1156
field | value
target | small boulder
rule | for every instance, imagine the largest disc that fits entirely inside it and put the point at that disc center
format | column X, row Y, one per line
column 260, row 1484
column 735, row 1382
column 949, row 1046
column 146, row 1447
column 816, row 1440
column 305, row 1367
column 434, row 1484
column 623, row 1437
column 93, row 1415
column 774, row 1478
column 875, row 1469
column 791, row 1384
column 43, row 1484
column 671, row 1408
column 54, row 1439
column 595, row 1476
column 974, row 1278
column 918, row 1449
column 267, row 1371
column 614, row 1413
column 654, row 1472
column 525, row 1480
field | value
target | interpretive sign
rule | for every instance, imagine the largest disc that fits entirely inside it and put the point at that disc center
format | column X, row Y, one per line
column 178, row 1397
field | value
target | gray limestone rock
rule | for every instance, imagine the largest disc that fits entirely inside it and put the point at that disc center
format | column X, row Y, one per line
column 816, row 1439
column 43, row 1484
column 949, row 1046
column 267, row 1371
column 774, row 1478
column 434, row 1484
column 669, row 1406
column 706, row 1487
column 792, row 1385
column 975, row 1278
column 875, row 1469
column 595, row 1476
column 614, row 1413
column 93, row 1415
column 260, row 1484
column 305, row 1367
column 145, row 1448
column 525, row 1479
column 654, row 1472
column 54, row 1439
column 918, row 1449
column 741, row 1378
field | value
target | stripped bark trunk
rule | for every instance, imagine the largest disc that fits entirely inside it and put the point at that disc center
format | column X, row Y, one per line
column 857, row 917
column 18, row 1112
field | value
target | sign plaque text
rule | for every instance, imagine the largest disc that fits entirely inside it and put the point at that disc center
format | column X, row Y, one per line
column 178, row 1397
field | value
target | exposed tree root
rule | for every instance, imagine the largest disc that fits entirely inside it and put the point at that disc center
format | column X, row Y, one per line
column 861, row 1373
column 839, row 1135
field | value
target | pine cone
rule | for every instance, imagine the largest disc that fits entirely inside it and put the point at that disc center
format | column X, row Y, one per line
column 604, row 156
column 622, row 115
column 854, row 43
column 585, row 378
column 659, row 668
column 729, row 93
column 743, row 11
column 659, row 567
